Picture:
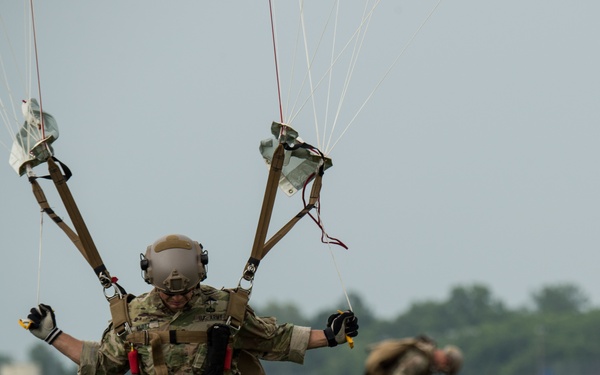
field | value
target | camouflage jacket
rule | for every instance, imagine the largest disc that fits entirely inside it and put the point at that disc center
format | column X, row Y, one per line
column 401, row 357
column 413, row 362
column 261, row 337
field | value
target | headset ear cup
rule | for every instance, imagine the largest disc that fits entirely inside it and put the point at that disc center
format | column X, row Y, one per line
column 146, row 267
column 202, row 261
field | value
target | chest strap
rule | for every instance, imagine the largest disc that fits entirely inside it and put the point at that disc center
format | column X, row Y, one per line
column 157, row 338
column 167, row 337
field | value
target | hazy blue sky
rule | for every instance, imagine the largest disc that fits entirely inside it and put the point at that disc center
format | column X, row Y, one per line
column 476, row 160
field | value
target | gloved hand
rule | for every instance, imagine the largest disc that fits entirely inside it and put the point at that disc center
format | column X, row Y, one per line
column 339, row 326
column 43, row 323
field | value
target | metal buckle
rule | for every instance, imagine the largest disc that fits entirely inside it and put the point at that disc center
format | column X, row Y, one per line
column 117, row 293
column 126, row 330
column 231, row 326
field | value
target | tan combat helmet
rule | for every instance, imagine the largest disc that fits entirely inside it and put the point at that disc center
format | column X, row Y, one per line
column 174, row 264
column 454, row 359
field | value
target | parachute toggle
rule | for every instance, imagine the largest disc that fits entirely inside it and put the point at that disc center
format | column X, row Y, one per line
column 32, row 143
column 301, row 161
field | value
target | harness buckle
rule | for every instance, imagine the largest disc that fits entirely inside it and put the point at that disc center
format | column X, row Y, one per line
column 229, row 324
column 126, row 330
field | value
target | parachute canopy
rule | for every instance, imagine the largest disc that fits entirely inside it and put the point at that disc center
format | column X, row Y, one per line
column 32, row 143
column 300, row 164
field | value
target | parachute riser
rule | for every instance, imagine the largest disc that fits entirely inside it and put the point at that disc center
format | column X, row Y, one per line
column 80, row 227
column 288, row 140
column 265, row 214
column 99, row 269
column 315, row 194
column 119, row 298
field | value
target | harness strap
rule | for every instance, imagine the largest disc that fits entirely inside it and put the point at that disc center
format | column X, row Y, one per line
column 239, row 297
column 171, row 337
column 268, row 202
column 119, row 312
column 236, row 308
column 82, row 240
column 314, row 197
column 39, row 195
column 158, row 358
column 91, row 253
column 157, row 338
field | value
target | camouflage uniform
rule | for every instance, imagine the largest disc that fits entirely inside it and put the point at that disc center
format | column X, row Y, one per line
column 261, row 337
column 401, row 357
column 413, row 362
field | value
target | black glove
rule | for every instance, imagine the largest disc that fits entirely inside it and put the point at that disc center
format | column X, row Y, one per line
column 43, row 323
column 339, row 326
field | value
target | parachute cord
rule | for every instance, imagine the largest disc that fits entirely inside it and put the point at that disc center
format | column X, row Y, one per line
column 308, row 65
column 276, row 62
column 37, row 71
column 302, row 31
column 337, row 269
column 327, row 239
column 330, row 75
column 385, row 75
column 4, row 111
column 39, row 275
column 358, row 43
column 9, row 118
column 335, row 61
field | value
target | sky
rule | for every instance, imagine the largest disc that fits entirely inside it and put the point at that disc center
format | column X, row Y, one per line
column 472, row 160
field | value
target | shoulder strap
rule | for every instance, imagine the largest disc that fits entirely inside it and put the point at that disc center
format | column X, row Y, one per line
column 236, row 307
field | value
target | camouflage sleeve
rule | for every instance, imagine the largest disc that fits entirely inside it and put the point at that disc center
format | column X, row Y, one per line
column 412, row 363
column 266, row 339
column 107, row 357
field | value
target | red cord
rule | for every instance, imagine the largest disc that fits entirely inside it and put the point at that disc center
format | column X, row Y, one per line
column 317, row 206
column 276, row 62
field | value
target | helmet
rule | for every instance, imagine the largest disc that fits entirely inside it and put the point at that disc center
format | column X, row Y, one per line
column 454, row 359
column 174, row 264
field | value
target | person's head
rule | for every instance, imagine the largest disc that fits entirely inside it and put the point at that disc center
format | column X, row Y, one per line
column 175, row 265
column 448, row 360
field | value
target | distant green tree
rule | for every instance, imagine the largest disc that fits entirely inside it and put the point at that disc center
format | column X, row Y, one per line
column 4, row 359
column 425, row 317
column 286, row 312
column 472, row 305
column 49, row 360
column 327, row 361
column 467, row 306
column 559, row 337
column 560, row 298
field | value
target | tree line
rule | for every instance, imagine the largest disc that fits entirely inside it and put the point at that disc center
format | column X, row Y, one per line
column 557, row 335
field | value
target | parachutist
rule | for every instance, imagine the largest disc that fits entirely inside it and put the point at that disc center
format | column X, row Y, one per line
column 183, row 326
column 416, row 355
